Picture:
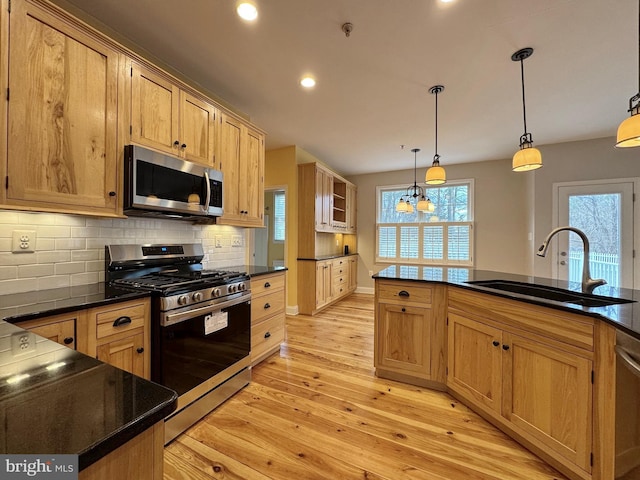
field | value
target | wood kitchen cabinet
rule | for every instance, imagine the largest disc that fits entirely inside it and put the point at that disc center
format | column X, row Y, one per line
column 323, row 282
column 59, row 328
column 353, row 273
column 351, row 214
column 529, row 368
column 267, row 315
column 171, row 119
column 410, row 333
column 62, row 153
column 241, row 159
column 120, row 336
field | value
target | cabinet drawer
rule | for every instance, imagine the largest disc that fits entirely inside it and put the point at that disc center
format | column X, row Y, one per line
column 266, row 305
column 340, row 265
column 267, row 335
column 404, row 292
column 119, row 320
column 266, row 284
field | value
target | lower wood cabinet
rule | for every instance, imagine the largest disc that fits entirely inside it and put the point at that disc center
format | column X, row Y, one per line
column 268, row 303
column 530, row 370
column 117, row 334
column 323, row 282
column 410, row 333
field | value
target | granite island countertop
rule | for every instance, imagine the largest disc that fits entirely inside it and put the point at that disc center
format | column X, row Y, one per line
column 55, row 400
column 625, row 317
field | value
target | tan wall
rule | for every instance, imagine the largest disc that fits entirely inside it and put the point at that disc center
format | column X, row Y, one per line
column 501, row 220
column 281, row 170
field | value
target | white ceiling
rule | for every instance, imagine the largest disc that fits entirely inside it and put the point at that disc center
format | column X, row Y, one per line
column 372, row 91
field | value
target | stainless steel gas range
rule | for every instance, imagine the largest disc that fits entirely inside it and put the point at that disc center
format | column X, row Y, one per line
column 200, row 324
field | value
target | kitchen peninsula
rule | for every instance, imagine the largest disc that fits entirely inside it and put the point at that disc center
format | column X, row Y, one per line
column 541, row 370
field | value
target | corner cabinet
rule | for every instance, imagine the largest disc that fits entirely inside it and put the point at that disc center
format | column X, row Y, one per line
column 410, row 333
column 62, row 150
column 170, row 119
column 530, row 369
column 241, row 159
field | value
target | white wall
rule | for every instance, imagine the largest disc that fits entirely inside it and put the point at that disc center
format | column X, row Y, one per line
column 69, row 249
column 501, row 220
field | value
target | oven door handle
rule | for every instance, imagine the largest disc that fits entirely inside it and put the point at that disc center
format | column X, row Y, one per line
column 173, row 318
column 629, row 361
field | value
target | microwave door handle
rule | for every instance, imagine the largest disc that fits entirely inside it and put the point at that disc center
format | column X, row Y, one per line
column 205, row 207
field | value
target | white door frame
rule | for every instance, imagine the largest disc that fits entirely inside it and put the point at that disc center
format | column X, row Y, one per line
column 635, row 181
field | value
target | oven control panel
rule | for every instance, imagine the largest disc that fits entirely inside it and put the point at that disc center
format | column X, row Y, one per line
column 204, row 295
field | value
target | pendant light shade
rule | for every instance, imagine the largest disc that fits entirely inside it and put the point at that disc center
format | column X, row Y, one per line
column 528, row 157
column 629, row 129
column 436, row 174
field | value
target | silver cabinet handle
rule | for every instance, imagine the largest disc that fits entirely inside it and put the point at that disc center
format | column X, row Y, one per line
column 629, row 361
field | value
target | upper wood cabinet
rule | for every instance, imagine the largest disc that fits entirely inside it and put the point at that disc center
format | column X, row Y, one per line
column 241, row 159
column 170, row 119
column 352, row 194
column 62, row 115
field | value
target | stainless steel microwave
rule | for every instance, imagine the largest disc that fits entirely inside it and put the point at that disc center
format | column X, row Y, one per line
column 156, row 184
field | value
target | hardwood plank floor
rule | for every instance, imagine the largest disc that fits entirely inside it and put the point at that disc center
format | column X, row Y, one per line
column 317, row 411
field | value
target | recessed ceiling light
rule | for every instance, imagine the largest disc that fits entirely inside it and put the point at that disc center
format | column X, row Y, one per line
column 247, row 10
column 308, row 81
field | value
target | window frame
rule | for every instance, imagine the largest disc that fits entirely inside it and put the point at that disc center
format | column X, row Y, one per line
column 420, row 224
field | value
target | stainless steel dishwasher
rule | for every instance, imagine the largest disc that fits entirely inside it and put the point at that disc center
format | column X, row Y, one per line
column 627, row 407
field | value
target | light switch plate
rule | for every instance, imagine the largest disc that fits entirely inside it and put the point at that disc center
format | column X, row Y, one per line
column 236, row 241
column 218, row 241
column 23, row 241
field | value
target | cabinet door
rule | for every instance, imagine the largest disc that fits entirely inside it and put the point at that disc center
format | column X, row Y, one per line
column 229, row 158
column 547, row 393
column 251, row 186
column 324, row 192
column 353, row 273
column 323, row 283
column 475, row 360
column 404, row 339
column 62, row 116
column 154, row 111
column 126, row 354
column 197, row 129
column 351, row 208
column 61, row 330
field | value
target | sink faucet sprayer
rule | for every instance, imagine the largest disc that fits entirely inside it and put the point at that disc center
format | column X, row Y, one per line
column 588, row 283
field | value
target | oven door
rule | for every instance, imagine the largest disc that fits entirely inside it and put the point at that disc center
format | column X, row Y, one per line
column 194, row 345
column 162, row 183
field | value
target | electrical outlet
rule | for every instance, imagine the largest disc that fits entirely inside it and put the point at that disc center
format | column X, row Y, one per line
column 371, row 273
column 218, row 241
column 22, row 342
column 23, row 241
column 236, row 241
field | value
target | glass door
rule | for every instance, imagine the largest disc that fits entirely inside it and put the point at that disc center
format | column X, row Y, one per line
column 604, row 212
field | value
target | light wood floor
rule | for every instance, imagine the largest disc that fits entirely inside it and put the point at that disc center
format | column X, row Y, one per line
column 317, row 411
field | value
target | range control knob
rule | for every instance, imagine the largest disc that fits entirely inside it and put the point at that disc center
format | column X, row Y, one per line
column 232, row 288
column 242, row 287
column 215, row 292
column 182, row 300
column 197, row 296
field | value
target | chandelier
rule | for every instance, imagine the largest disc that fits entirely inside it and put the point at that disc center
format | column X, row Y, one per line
column 416, row 193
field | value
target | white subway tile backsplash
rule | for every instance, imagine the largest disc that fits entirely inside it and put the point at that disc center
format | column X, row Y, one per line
column 70, row 249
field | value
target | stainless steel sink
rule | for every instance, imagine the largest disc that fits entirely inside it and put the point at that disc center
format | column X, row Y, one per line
column 550, row 293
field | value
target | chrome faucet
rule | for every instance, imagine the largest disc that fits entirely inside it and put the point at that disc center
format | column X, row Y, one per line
column 588, row 283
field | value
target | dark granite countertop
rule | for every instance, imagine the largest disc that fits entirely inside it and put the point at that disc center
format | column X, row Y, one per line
column 624, row 317
column 328, row 257
column 257, row 270
column 42, row 303
column 54, row 400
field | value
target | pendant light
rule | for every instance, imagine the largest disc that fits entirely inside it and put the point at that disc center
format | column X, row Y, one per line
column 416, row 192
column 436, row 174
column 528, row 157
column 629, row 129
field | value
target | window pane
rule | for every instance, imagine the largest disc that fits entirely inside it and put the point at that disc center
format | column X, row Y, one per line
column 433, row 248
column 409, row 242
column 279, row 216
column 458, row 242
column 387, row 242
column 452, row 203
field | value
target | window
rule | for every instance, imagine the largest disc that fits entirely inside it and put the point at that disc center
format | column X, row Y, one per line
column 279, row 207
column 442, row 237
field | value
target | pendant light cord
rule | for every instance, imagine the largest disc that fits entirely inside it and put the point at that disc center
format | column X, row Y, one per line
column 524, row 106
column 436, row 155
